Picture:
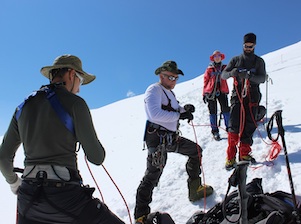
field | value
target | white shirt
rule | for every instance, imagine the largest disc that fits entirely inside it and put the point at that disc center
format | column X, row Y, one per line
column 153, row 99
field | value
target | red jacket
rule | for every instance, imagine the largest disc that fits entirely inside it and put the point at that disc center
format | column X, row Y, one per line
column 210, row 76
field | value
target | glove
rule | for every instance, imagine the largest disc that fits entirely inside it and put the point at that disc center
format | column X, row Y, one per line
column 15, row 186
column 244, row 74
column 186, row 115
column 189, row 108
column 234, row 72
column 205, row 99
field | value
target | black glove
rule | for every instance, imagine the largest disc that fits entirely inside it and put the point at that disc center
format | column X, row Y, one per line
column 205, row 99
column 244, row 73
column 186, row 115
column 189, row 108
column 234, row 72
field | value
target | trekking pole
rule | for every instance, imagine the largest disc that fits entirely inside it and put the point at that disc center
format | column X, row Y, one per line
column 238, row 177
column 243, row 196
column 278, row 117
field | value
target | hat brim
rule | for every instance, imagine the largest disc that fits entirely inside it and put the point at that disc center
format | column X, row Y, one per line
column 222, row 57
column 164, row 68
column 87, row 77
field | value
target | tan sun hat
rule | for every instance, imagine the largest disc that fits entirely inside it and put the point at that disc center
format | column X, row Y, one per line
column 68, row 61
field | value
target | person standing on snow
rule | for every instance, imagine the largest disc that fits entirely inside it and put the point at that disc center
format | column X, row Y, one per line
column 248, row 71
column 161, row 136
column 51, row 189
column 216, row 89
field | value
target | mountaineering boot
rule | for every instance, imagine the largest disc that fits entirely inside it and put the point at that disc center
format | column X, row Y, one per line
column 196, row 191
column 230, row 164
column 141, row 220
column 216, row 135
column 232, row 149
column 244, row 153
column 226, row 120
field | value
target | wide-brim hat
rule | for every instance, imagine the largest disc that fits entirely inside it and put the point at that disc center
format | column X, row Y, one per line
column 68, row 61
column 170, row 66
column 217, row 52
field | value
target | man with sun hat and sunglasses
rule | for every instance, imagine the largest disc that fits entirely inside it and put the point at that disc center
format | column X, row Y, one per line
column 248, row 71
column 162, row 135
column 51, row 124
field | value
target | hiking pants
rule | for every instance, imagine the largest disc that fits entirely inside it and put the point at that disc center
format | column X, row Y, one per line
column 152, row 174
column 223, row 102
column 69, row 204
column 248, row 119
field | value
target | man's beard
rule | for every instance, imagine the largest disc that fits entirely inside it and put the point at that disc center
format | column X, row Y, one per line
column 249, row 52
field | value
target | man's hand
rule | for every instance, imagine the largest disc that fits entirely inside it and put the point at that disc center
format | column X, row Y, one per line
column 15, row 186
column 189, row 108
column 186, row 115
column 234, row 72
column 205, row 99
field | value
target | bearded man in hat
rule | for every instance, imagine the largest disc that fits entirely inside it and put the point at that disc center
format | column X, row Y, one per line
column 50, row 124
column 162, row 135
column 248, row 71
column 216, row 89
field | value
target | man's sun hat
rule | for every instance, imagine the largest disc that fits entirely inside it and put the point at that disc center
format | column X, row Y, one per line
column 68, row 61
column 217, row 52
column 170, row 66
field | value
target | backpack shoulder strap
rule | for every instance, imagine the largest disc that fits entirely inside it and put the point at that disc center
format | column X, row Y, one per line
column 63, row 115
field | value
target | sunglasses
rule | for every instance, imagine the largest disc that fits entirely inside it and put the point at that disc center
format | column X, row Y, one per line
column 249, row 47
column 81, row 79
column 217, row 55
column 170, row 77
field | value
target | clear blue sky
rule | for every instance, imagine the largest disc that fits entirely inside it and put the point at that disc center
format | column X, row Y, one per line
column 122, row 42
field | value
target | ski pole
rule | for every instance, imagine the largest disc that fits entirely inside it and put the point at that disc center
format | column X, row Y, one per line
column 243, row 196
column 281, row 133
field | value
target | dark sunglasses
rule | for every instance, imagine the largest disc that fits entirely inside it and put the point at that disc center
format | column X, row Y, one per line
column 249, row 47
column 217, row 55
column 170, row 77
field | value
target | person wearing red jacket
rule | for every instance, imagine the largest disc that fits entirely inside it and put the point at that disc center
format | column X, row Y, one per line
column 216, row 89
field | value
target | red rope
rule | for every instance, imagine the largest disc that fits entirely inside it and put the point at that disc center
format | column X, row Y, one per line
column 127, row 207
column 94, row 179
column 274, row 151
column 201, row 164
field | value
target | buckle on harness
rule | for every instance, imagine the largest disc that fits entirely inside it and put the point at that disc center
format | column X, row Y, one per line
column 41, row 177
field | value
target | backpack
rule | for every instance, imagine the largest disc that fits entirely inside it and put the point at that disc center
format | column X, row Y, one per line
column 159, row 218
column 263, row 208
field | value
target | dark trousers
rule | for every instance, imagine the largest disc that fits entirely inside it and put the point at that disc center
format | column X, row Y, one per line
column 250, row 108
column 223, row 102
column 152, row 174
column 70, row 204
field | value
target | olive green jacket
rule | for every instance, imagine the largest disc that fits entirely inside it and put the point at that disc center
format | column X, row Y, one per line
column 45, row 138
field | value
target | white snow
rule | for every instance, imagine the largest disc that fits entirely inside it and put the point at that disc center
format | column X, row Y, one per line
column 120, row 127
